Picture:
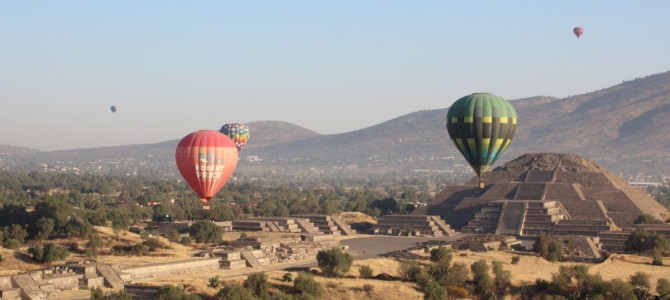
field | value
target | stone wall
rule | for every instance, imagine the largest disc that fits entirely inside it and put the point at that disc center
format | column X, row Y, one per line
column 170, row 269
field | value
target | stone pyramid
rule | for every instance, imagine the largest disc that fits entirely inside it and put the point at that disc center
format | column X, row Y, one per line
column 540, row 191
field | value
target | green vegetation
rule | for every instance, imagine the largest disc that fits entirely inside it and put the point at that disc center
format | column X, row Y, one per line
column 334, row 262
column 305, row 285
column 646, row 242
column 549, row 248
column 98, row 294
column 365, row 271
column 206, row 232
column 48, row 253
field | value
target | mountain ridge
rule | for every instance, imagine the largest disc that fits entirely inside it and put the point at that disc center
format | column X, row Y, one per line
column 618, row 127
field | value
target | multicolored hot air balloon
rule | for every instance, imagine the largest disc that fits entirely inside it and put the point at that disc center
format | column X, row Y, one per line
column 578, row 31
column 239, row 133
column 482, row 126
column 206, row 159
column 113, row 109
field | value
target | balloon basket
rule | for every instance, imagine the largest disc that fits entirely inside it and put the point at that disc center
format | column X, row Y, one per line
column 206, row 207
column 481, row 185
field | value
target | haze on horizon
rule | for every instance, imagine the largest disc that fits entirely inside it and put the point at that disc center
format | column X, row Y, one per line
column 173, row 67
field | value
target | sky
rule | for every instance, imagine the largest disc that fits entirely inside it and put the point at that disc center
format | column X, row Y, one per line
column 174, row 67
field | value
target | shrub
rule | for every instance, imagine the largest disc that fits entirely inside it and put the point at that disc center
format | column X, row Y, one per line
column 305, row 284
column 171, row 292
column 12, row 244
column 334, row 262
column 548, row 247
column 235, row 292
column 657, row 257
column 409, row 270
column 516, row 259
column 141, row 249
column 365, row 271
column 640, row 279
column 98, row 294
column 481, row 277
column 663, row 288
column 214, row 282
column 434, row 291
column 440, row 254
column 288, row 277
column 619, row 289
column 503, row 278
column 186, row 241
column 369, row 289
column 258, row 284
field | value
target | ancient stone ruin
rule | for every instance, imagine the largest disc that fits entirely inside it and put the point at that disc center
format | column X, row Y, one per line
column 562, row 194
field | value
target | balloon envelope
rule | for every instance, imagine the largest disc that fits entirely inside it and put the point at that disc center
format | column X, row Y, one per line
column 481, row 126
column 113, row 109
column 578, row 31
column 206, row 159
column 239, row 133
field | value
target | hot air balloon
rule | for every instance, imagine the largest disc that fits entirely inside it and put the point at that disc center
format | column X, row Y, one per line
column 239, row 133
column 113, row 109
column 206, row 159
column 578, row 31
column 481, row 126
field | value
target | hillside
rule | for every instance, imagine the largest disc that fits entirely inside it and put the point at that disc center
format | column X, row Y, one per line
column 623, row 128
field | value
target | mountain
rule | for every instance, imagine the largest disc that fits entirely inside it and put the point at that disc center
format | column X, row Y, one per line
column 623, row 128
column 8, row 150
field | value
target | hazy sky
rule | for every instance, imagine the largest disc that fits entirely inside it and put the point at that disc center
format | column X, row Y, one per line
column 173, row 67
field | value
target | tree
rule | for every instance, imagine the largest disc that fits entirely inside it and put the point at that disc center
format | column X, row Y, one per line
column 334, row 262
column 258, row 284
column 45, row 226
column 548, row 247
column 49, row 253
column 206, row 232
column 409, row 270
column 620, row 290
column 98, row 294
column 305, row 284
column 481, row 277
column 433, row 291
column 643, row 241
column 502, row 278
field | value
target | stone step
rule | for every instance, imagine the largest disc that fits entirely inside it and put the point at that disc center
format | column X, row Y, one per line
column 29, row 288
column 344, row 228
column 250, row 258
column 111, row 278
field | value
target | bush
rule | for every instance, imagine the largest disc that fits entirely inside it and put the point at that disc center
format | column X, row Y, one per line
column 141, row 249
column 516, row 259
column 663, row 288
column 214, row 282
column 12, row 244
column 440, row 254
column 369, row 289
column 365, row 271
column 481, row 277
column 305, row 284
column 619, row 289
column 640, row 279
column 549, row 248
column 186, row 241
column 288, row 277
column 235, row 292
column 409, row 270
column 503, row 278
column 258, row 284
column 434, row 291
column 171, row 292
column 334, row 262
column 98, row 294
column 657, row 257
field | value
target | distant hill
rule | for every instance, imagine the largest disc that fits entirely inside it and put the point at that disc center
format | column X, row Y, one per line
column 623, row 128
column 7, row 150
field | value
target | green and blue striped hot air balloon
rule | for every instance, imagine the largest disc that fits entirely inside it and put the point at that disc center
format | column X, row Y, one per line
column 482, row 126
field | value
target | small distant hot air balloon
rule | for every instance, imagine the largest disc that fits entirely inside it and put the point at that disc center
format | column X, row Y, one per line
column 578, row 31
column 481, row 126
column 206, row 159
column 239, row 133
column 113, row 109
